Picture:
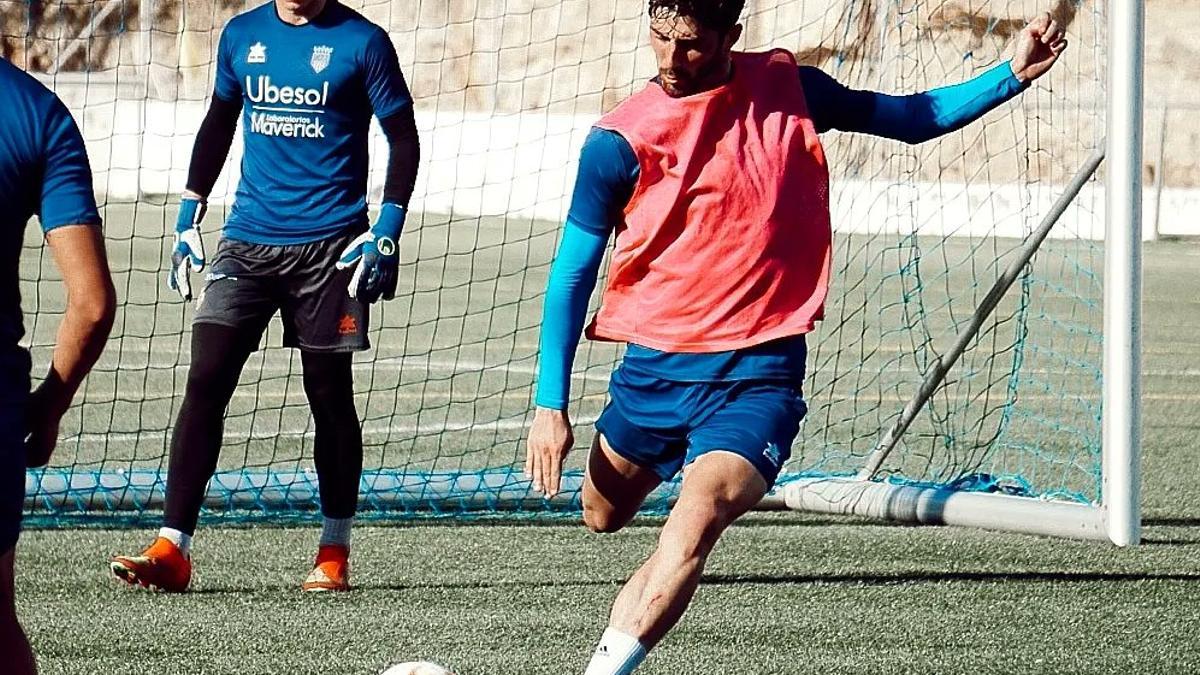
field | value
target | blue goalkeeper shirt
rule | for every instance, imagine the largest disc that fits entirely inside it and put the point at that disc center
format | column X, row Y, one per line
column 44, row 171
column 307, row 93
column 608, row 173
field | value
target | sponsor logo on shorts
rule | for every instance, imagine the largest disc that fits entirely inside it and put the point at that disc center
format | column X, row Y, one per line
column 347, row 325
column 772, row 454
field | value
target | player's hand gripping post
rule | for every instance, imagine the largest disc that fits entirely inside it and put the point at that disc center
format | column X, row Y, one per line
column 377, row 256
column 550, row 439
column 188, row 250
column 1038, row 47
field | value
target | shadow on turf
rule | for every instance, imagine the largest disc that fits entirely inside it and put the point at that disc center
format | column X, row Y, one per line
column 575, row 521
column 942, row 577
column 1171, row 522
column 898, row 579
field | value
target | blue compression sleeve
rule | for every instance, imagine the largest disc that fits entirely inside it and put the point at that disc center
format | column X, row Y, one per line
column 572, row 279
column 914, row 118
column 608, row 172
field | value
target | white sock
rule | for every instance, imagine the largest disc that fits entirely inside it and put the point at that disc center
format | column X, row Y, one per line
column 336, row 531
column 617, row 654
column 181, row 540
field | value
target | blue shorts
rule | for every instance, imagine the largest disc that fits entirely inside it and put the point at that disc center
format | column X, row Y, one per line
column 14, row 395
column 664, row 425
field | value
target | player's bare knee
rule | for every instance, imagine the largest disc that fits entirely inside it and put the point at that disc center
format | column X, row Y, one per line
column 604, row 520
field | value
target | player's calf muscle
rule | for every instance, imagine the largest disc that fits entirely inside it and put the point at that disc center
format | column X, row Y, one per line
column 692, row 535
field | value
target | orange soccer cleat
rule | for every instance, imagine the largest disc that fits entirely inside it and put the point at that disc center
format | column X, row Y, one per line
column 331, row 571
column 162, row 567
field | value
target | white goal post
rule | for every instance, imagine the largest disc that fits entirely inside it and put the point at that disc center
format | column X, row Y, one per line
column 1118, row 517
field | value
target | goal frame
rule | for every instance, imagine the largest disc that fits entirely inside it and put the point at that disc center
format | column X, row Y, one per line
column 1117, row 518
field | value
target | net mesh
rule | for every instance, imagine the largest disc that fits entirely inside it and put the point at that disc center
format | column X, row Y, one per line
column 505, row 93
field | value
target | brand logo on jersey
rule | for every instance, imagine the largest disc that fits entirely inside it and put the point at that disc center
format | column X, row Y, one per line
column 269, row 93
column 258, row 53
column 320, row 58
column 289, row 126
column 772, row 454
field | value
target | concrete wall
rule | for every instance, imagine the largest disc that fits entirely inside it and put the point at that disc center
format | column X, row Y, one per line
column 505, row 90
column 524, row 164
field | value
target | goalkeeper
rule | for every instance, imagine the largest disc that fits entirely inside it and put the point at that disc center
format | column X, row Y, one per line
column 714, row 180
column 305, row 76
column 43, row 170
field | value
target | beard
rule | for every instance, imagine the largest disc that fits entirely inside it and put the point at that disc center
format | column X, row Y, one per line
column 710, row 74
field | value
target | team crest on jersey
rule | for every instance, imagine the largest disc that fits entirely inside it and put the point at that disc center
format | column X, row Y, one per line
column 320, row 58
column 258, row 53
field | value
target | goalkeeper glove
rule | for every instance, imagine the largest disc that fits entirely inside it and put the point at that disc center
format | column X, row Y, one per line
column 377, row 256
column 189, row 247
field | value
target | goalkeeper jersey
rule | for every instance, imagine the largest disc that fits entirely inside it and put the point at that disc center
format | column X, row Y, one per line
column 307, row 93
column 44, row 171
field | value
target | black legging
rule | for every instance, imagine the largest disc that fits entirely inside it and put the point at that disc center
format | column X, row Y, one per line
column 218, row 355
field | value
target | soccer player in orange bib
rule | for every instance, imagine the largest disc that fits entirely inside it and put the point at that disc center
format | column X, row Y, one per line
column 714, row 180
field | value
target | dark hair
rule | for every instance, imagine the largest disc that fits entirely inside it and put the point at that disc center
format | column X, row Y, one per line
column 718, row 15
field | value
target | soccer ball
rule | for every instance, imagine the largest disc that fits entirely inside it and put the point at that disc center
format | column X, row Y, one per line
column 417, row 668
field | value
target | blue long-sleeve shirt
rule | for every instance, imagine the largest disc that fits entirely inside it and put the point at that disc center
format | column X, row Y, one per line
column 608, row 173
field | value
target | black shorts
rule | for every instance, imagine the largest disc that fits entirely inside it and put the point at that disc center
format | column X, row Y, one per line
column 14, row 397
column 247, row 283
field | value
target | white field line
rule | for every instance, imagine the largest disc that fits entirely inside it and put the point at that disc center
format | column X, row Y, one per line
column 480, row 367
column 466, row 367
column 471, row 368
column 443, row 397
column 130, row 396
column 510, row 424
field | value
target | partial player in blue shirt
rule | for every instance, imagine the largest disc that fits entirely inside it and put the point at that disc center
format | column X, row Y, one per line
column 305, row 78
column 44, row 172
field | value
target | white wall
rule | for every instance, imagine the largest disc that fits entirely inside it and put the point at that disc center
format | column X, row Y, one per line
column 523, row 164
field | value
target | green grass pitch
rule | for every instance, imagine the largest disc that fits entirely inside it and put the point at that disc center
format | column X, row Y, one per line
column 784, row 593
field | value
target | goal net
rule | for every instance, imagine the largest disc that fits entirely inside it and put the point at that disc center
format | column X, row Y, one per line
column 505, row 93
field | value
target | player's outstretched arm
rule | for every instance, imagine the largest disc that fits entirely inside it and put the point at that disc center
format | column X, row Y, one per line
column 919, row 117
column 91, row 306
column 1038, row 47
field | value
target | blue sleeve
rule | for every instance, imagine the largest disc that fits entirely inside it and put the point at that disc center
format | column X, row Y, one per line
column 386, row 87
column 914, row 118
column 226, row 85
column 67, row 197
column 608, row 172
column 572, row 280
